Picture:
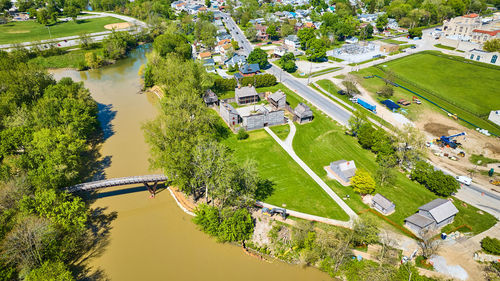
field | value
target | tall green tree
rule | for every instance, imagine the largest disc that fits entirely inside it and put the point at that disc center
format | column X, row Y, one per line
column 258, row 56
column 362, row 182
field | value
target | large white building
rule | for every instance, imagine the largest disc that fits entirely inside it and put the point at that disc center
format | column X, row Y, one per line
column 483, row 56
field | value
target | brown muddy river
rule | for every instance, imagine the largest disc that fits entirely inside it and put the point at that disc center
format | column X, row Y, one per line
column 153, row 239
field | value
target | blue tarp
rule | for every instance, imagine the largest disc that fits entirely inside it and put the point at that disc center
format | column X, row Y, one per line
column 391, row 105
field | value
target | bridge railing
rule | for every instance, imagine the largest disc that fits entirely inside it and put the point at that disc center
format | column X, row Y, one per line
column 116, row 182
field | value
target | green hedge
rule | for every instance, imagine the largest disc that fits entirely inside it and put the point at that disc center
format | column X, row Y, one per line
column 491, row 245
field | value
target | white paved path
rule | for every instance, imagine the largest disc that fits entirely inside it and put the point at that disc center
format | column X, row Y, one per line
column 289, row 149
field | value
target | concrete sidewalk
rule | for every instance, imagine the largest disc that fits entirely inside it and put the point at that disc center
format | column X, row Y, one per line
column 312, row 174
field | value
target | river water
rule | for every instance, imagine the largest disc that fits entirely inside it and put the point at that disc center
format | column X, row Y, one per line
column 152, row 239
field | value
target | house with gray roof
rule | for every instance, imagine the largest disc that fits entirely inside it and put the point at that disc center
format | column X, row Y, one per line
column 277, row 100
column 382, row 204
column 302, row 113
column 246, row 95
column 344, row 169
column 433, row 215
column 210, row 98
column 235, row 60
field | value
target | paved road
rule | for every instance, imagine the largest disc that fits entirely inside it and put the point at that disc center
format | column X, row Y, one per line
column 289, row 149
column 309, row 217
column 238, row 35
column 332, row 109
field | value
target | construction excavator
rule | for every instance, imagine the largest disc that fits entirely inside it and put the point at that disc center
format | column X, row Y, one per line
column 450, row 140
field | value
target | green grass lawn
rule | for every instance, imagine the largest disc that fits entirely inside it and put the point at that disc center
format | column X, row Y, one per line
column 16, row 32
column 392, row 41
column 70, row 59
column 432, row 76
column 444, row 47
column 281, row 131
column 293, row 186
column 465, row 85
column 322, row 141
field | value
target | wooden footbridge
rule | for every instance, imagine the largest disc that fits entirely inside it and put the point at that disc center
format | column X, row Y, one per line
column 146, row 180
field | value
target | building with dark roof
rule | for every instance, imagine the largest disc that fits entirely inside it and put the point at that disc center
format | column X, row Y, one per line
column 382, row 204
column 249, row 69
column 277, row 100
column 246, row 95
column 210, row 98
column 303, row 113
column 433, row 215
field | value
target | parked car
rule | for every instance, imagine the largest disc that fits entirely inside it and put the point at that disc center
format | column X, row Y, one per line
column 463, row 179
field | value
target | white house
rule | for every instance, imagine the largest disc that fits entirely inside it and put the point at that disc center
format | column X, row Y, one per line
column 292, row 41
column 483, row 56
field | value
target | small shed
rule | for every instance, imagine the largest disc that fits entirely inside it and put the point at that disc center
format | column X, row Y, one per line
column 303, row 113
column 344, row 169
column 277, row 100
column 210, row 98
column 382, row 204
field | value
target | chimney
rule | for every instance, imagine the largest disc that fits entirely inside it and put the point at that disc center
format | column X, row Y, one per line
column 239, row 86
column 249, row 85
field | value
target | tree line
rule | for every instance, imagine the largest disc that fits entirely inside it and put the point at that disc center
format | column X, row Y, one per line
column 185, row 142
column 48, row 137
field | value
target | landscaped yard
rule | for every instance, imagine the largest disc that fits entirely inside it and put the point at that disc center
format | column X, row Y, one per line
column 71, row 59
column 16, row 32
column 293, row 186
column 322, row 141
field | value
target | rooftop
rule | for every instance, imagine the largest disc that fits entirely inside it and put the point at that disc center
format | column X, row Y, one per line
column 440, row 209
column 382, row 201
column 303, row 111
column 277, row 96
column 245, row 91
column 250, row 68
column 419, row 220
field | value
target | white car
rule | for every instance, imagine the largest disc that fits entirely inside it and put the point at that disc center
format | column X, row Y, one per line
column 463, row 179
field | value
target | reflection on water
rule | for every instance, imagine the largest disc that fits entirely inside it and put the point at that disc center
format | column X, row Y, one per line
column 152, row 239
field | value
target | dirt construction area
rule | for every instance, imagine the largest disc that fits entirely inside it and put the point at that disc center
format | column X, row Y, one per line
column 435, row 125
column 118, row 26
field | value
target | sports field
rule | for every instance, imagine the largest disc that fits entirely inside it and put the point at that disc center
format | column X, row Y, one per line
column 17, row 32
column 468, row 86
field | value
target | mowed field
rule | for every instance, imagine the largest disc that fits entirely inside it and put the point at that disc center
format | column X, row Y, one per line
column 465, row 85
column 17, row 32
column 293, row 188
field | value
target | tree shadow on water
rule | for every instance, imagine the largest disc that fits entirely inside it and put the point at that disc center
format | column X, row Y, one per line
column 95, row 244
column 106, row 115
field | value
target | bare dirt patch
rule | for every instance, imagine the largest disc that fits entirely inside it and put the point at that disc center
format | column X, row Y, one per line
column 18, row 31
column 435, row 125
column 117, row 26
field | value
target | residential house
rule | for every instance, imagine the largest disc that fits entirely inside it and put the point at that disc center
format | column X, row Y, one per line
column 210, row 98
column 249, row 70
column 292, row 41
column 302, row 113
column 260, row 116
column 229, row 114
column 204, row 55
column 461, row 27
column 345, row 170
column 261, row 32
column 279, row 51
column 178, row 5
column 433, row 215
column 223, row 48
column 277, row 100
column 235, row 61
column 392, row 24
column 368, row 17
column 382, row 204
column 218, row 23
column 483, row 56
column 246, row 95
column 223, row 36
column 208, row 62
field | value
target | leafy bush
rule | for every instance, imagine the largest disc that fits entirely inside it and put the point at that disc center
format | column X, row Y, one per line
column 227, row 225
column 491, row 245
column 221, row 84
column 362, row 182
column 263, row 80
column 242, row 134
column 435, row 181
